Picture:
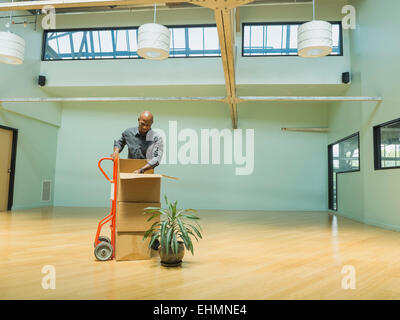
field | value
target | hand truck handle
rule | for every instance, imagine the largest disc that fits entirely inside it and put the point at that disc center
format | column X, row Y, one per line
column 101, row 169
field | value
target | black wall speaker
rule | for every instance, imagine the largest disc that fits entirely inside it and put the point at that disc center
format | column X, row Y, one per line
column 346, row 77
column 42, row 81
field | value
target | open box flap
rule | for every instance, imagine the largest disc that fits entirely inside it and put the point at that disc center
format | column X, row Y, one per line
column 125, row 176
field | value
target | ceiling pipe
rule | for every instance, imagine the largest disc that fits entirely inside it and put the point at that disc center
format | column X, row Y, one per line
column 109, row 99
column 307, row 98
column 221, row 99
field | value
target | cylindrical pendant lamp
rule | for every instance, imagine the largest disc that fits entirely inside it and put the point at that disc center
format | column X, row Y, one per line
column 12, row 48
column 153, row 41
column 314, row 39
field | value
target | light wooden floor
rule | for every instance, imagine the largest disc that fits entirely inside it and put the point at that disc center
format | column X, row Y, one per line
column 244, row 255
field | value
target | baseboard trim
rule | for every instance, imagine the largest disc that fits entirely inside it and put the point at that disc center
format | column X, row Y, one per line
column 34, row 206
column 368, row 222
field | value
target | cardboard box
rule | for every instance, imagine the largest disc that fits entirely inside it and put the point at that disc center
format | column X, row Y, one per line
column 131, row 217
column 130, row 246
column 134, row 192
column 137, row 187
column 130, row 165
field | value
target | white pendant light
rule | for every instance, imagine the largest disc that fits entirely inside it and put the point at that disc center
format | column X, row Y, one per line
column 314, row 38
column 12, row 47
column 153, row 40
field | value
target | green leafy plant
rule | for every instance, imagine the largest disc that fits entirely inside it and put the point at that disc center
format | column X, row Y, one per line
column 173, row 226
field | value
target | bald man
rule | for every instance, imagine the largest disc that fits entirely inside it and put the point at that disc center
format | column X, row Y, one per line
column 143, row 143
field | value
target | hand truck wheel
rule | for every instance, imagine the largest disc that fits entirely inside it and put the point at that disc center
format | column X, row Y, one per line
column 103, row 238
column 103, row 251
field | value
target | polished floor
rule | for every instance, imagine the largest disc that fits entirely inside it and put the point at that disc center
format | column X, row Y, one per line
column 244, row 255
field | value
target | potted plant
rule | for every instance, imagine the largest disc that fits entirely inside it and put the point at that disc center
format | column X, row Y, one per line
column 174, row 232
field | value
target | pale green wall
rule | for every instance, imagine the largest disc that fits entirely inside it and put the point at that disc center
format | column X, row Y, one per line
column 350, row 194
column 200, row 71
column 292, row 70
column 290, row 168
column 36, row 159
column 133, row 72
column 37, row 123
column 375, row 68
column 18, row 81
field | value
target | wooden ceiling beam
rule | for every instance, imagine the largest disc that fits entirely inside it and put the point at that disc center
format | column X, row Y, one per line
column 225, row 27
column 237, row 20
column 220, row 4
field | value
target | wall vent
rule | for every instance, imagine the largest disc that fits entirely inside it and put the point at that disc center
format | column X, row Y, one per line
column 46, row 190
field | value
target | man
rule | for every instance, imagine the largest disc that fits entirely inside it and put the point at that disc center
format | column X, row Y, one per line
column 143, row 143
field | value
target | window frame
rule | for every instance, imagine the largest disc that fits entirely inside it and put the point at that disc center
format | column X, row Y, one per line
column 289, row 23
column 377, row 146
column 330, row 169
column 117, row 28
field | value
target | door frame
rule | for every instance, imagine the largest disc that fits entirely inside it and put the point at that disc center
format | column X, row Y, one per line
column 13, row 160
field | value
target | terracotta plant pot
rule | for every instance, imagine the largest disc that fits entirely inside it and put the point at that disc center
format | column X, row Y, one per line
column 171, row 259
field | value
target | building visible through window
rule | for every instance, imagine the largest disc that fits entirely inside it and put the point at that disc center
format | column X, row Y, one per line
column 387, row 145
column 343, row 156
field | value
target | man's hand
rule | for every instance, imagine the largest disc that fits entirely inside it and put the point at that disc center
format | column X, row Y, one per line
column 139, row 171
column 114, row 155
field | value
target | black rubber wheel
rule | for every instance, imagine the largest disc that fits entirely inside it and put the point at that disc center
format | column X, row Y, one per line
column 103, row 239
column 103, row 251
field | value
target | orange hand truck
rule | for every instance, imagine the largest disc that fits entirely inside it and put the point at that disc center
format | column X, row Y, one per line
column 104, row 247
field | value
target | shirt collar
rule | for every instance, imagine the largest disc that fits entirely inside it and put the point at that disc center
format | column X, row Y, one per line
column 136, row 132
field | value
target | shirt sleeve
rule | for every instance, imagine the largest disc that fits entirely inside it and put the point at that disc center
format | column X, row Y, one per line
column 157, row 152
column 120, row 143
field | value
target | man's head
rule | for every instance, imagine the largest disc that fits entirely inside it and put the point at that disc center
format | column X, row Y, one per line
column 145, row 121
